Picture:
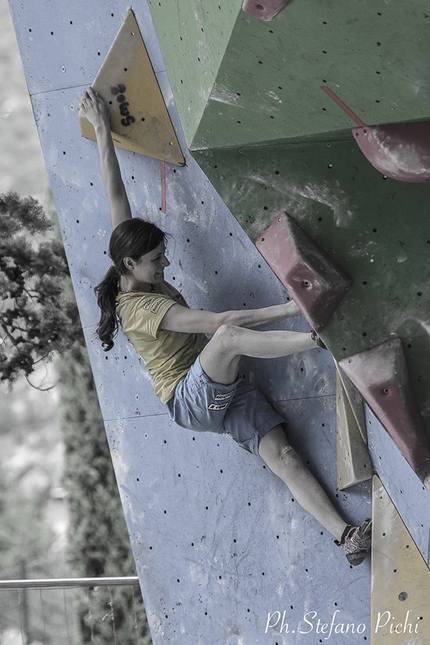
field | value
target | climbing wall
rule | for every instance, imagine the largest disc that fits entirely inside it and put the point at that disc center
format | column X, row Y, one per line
column 282, row 144
column 272, row 140
column 223, row 552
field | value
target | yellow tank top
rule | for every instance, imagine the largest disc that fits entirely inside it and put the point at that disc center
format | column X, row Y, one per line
column 168, row 355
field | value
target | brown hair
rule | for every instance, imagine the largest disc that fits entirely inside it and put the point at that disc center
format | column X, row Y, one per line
column 132, row 238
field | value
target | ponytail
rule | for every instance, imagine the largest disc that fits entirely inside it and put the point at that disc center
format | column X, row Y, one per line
column 106, row 292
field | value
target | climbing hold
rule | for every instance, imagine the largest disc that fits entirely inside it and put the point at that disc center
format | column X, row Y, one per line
column 399, row 150
column 381, row 375
column 139, row 118
column 400, row 577
column 264, row 9
column 315, row 281
column 353, row 460
column 355, row 401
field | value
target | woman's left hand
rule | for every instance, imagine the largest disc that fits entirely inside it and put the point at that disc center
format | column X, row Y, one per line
column 94, row 108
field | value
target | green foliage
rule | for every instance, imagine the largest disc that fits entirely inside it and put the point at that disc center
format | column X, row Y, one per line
column 98, row 543
column 35, row 305
column 99, row 540
column 17, row 543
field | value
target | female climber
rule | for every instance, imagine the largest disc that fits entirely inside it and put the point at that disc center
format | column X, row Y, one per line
column 196, row 378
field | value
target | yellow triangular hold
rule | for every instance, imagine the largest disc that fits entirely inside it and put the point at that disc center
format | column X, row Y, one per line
column 126, row 79
column 400, row 612
column 353, row 460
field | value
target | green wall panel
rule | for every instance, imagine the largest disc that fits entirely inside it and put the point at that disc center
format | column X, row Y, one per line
column 372, row 53
column 246, row 80
column 193, row 37
column 375, row 228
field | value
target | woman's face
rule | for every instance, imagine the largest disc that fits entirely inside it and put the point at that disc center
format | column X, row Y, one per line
column 149, row 268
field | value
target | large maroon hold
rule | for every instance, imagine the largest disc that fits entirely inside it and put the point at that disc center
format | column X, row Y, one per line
column 264, row 9
column 314, row 280
column 381, row 376
column 398, row 150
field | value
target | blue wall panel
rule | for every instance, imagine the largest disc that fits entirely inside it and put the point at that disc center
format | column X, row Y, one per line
column 411, row 499
column 217, row 539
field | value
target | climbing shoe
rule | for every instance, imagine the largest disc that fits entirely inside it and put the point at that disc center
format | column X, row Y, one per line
column 317, row 340
column 356, row 542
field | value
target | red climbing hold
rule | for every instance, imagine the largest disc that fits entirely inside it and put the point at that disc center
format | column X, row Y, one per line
column 381, row 376
column 264, row 9
column 315, row 281
column 399, row 150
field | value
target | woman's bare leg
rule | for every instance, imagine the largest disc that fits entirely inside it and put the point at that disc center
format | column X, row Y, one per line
column 275, row 450
column 220, row 360
column 221, row 357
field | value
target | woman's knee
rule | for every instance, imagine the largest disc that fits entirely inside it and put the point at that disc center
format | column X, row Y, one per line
column 288, row 465
column 279, row 455
column 289, row 459
column 220, row 358
column 227, row 336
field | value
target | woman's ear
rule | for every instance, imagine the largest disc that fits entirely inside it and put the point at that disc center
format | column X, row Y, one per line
column 129, row 263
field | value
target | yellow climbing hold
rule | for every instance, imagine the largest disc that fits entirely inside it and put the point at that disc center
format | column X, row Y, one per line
column 400, row 578
column 126, row 79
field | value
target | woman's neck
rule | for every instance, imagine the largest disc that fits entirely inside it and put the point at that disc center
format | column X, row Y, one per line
column 128, row 285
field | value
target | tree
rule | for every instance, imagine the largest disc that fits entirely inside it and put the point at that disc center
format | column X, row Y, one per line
column 16, row 511
column 99, row 543
column 37, row 306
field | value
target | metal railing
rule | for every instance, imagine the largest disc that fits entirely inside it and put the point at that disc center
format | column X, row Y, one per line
column 67, row 583
column 73, row 611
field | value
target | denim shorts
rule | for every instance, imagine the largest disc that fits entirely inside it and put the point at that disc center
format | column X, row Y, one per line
column 238, row 409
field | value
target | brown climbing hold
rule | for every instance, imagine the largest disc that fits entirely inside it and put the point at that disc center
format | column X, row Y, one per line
column 381, row 376
column 398, row 150
column 264, row 9
column 314, row 280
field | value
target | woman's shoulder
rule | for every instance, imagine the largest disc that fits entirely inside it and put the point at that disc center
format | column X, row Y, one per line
column 173, row 293
column 140, row 299
column 130, row 304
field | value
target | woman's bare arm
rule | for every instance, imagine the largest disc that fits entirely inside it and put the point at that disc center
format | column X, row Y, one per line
column 181, row 319
column 93, row 107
